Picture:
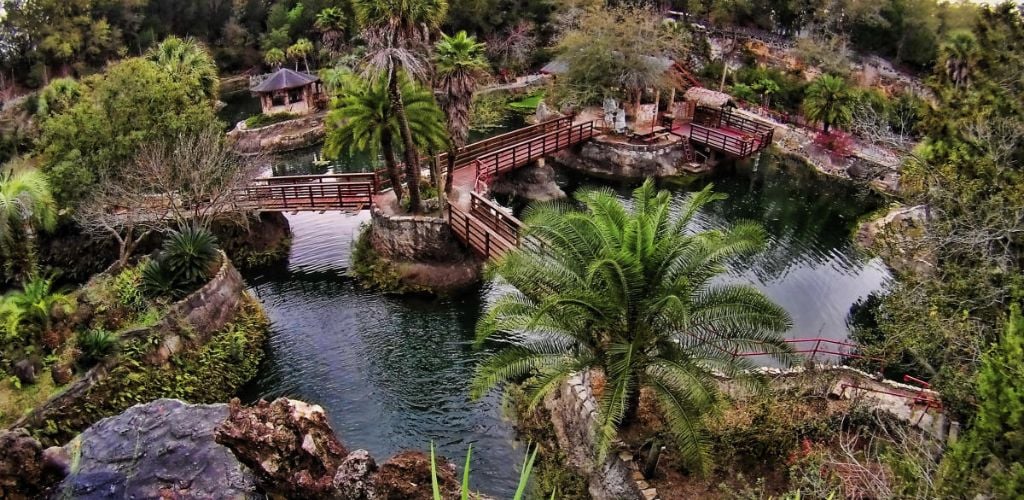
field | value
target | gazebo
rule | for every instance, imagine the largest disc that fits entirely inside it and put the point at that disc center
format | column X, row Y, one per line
column 287, row 91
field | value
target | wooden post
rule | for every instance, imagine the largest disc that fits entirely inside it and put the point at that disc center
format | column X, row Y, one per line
column 672, row 105
column 654, row 119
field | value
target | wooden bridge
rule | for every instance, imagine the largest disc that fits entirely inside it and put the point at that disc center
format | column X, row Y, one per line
column 485, row 227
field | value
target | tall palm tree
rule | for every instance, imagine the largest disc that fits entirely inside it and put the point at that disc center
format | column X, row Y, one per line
column 397, row 33
column 459, row 62
column 26, row 206
column 301, row 49
column 190, row 60
column 766, row 87
column 361, row 120
column 630, row 293
column 958, row 56
column 330, row 22
column 274, row 57
column 830, row 101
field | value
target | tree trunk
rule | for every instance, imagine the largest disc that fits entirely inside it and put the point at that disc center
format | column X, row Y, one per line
column 387, row 146
column 449, row 178
column 412, row 167
column 826, row 127
column 632, row 412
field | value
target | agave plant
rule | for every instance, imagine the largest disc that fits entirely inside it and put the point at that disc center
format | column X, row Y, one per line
column 189, row 254
column 96, row 345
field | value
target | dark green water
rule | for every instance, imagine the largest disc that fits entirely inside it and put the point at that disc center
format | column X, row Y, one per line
column 392, row 372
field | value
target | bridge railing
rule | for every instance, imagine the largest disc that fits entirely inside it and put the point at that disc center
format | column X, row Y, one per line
column 476, row 234
column 721, row 141
column 316, row 195
column 371, row 177
column 505, row 159
column 495, row 217
column 471, row 152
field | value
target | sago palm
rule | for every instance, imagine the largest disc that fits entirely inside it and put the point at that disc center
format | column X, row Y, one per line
column 459, row 63
column 361, row 120
column 26, row 206
column 397, row 33
column 189, row 60
column 631, row 293
column 829, row 101
column 33, row 304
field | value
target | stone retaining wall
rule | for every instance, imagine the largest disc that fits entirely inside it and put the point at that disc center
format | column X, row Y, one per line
column 279, row 137
column 574, row 416
column 189, row 322
column 414, row 238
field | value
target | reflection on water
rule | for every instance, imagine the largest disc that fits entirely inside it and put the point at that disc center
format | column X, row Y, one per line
column 392, row 372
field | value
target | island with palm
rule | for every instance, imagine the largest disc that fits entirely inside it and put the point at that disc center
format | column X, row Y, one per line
column 580, row 249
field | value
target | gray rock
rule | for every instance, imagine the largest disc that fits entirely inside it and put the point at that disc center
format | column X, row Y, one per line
column 354, row 478
column 160, row 449
column 534, row 182
column 26, row 371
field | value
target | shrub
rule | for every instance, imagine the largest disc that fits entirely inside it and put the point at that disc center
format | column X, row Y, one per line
column 96, row 345
column 262, row 120
column 835, row 141
column 128, row 289
column 157, row 280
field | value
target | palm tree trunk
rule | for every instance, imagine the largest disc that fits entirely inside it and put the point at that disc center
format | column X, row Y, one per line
column 412, row 167
column 632, row 413
column 387, row 147
column 449, row 179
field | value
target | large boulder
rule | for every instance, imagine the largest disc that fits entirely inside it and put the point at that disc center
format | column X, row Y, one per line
column 289, row 444
column 407, row 476
column 162, row 449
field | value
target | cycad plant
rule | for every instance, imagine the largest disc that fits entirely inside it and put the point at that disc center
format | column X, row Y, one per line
column 830, row 101
column 26, row 206
column 185, row 261
column 32, row 306
column 630, row 292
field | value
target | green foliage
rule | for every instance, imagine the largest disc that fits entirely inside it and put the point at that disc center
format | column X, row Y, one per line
column 829, row 101
column 488, row 111
column 262, row 120
column 629, row 292
column 188, row 61
column 127, row 288
column 529, row 103
column 210, row 373
column 134, row 102
column 611, row 51
column 26, row 207
column 96, row 345
column 524, row 475
column 186, row 261
column 31, row 308
column 459, row 64
column 989, row 459
column 57, row 97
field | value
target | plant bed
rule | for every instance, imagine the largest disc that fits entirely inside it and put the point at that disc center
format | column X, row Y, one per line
column 263, row 120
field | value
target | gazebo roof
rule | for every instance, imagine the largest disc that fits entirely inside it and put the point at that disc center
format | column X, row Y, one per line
column 707, row 97
column 285, row 78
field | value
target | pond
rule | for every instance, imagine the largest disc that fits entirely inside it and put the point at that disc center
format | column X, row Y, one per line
column 392, row 372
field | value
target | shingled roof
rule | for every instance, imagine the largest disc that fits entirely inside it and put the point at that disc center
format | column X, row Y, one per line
column 285, row 78
column 707, row 97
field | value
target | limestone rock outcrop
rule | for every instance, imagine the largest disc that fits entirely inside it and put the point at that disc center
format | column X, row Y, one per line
column 25, row 468
column 162, row 449
column 289, row 444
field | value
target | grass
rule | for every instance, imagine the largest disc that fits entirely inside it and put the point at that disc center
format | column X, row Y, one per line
column 262, row 120
column 15, row 402
column 528, row 104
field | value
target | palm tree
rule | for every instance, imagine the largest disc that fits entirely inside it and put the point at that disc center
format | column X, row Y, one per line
column 59, row 95
column 397, row 33
column 189, row 60
column 361, row 120
column 631, row 295
column 766, row 87
column 301, row 50
column 274, row 57
column 330, row 22
column 460, row 63
column 26, row 206
column 959, row 55
column 33, row 304
column 829, row 101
